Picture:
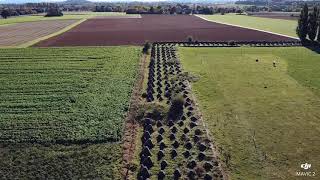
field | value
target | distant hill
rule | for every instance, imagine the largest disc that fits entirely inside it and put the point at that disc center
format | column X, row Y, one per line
column 76, row 2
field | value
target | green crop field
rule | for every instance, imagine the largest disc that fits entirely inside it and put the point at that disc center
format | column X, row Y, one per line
column 286, row 27
column 265, row 119
column 35, row 161
column 65, row 94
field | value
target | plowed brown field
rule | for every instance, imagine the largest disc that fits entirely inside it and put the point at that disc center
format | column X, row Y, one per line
column 17, row 34
column 135, row 31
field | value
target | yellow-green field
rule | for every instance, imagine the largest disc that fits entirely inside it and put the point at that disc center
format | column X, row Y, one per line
column 281, row 26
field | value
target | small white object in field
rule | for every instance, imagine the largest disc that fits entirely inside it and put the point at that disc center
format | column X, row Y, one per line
column 274, row 63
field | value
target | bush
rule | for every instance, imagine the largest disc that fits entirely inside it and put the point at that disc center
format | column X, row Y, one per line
column 189, row 39
column 172, row 61
column 176, row 108
column 231, row 43
column 153, row 110
column 146, row 47
column 5, row 14
column 52, row 12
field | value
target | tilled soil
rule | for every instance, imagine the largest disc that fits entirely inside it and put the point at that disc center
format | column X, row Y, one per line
column 154, row 28
column 20, row 33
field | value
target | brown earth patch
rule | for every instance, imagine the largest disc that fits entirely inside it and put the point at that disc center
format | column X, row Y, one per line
column 154, row 28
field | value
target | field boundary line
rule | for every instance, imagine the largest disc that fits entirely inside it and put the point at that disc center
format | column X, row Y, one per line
column 131, row 131
column 247, row 27
column 33, row 42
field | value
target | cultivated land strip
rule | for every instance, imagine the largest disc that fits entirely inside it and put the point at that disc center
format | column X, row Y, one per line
column 154, row 28
column 23, row 34
column 176, row 146
column 66, row 95
column 35, row 41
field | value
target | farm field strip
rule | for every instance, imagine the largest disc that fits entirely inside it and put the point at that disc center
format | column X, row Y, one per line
column 84, row 92
column 264, row 119
column 175, row 146
column 67, row 16
column 154, row 28
column 261, row 30
column 56, row 161
column 18, row 34
column 286, row 28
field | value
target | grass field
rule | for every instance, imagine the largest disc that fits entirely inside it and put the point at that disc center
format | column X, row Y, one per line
column 34, row 161
column 67, row 15
column 286, row 27
column 65, row 94
column 265, row 118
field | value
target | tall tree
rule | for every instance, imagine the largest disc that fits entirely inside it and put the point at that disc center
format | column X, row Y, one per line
column 312, row 24
column 302, row 28
column 5, row 13
column 318, row 20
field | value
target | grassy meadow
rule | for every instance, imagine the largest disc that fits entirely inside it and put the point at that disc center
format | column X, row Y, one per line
column 65, row 94
column 264, row 119
column 281, row 26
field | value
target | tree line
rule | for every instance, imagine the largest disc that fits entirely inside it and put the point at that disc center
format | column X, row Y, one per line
column 308, row 28
column 7, row 10
column 168, row 8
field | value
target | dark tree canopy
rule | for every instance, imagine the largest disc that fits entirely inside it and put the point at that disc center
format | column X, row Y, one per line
column 54, row 12
column 5, row 14
column 302, row 28
column 312, row 24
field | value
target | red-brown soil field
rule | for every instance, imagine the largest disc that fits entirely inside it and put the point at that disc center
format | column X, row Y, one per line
column 17, row 34
column 135, row 31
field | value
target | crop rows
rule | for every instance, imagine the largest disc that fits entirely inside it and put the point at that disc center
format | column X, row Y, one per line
column 20, row 33
column 174, row 148
column 66, row 95
column 236, row 43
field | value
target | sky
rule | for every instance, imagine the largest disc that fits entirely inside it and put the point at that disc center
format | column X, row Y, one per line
column 24, row 1
column 14, row 1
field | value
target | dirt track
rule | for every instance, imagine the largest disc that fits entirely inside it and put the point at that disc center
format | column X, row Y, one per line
column 20, row 33
column 135, row 31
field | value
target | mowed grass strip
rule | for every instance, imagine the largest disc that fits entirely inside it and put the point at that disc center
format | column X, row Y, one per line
column 65, row 94
column 264, row 119
column 281, row 26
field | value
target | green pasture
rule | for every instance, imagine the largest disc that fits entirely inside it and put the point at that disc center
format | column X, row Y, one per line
column 265, row 120
column 286, row 27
